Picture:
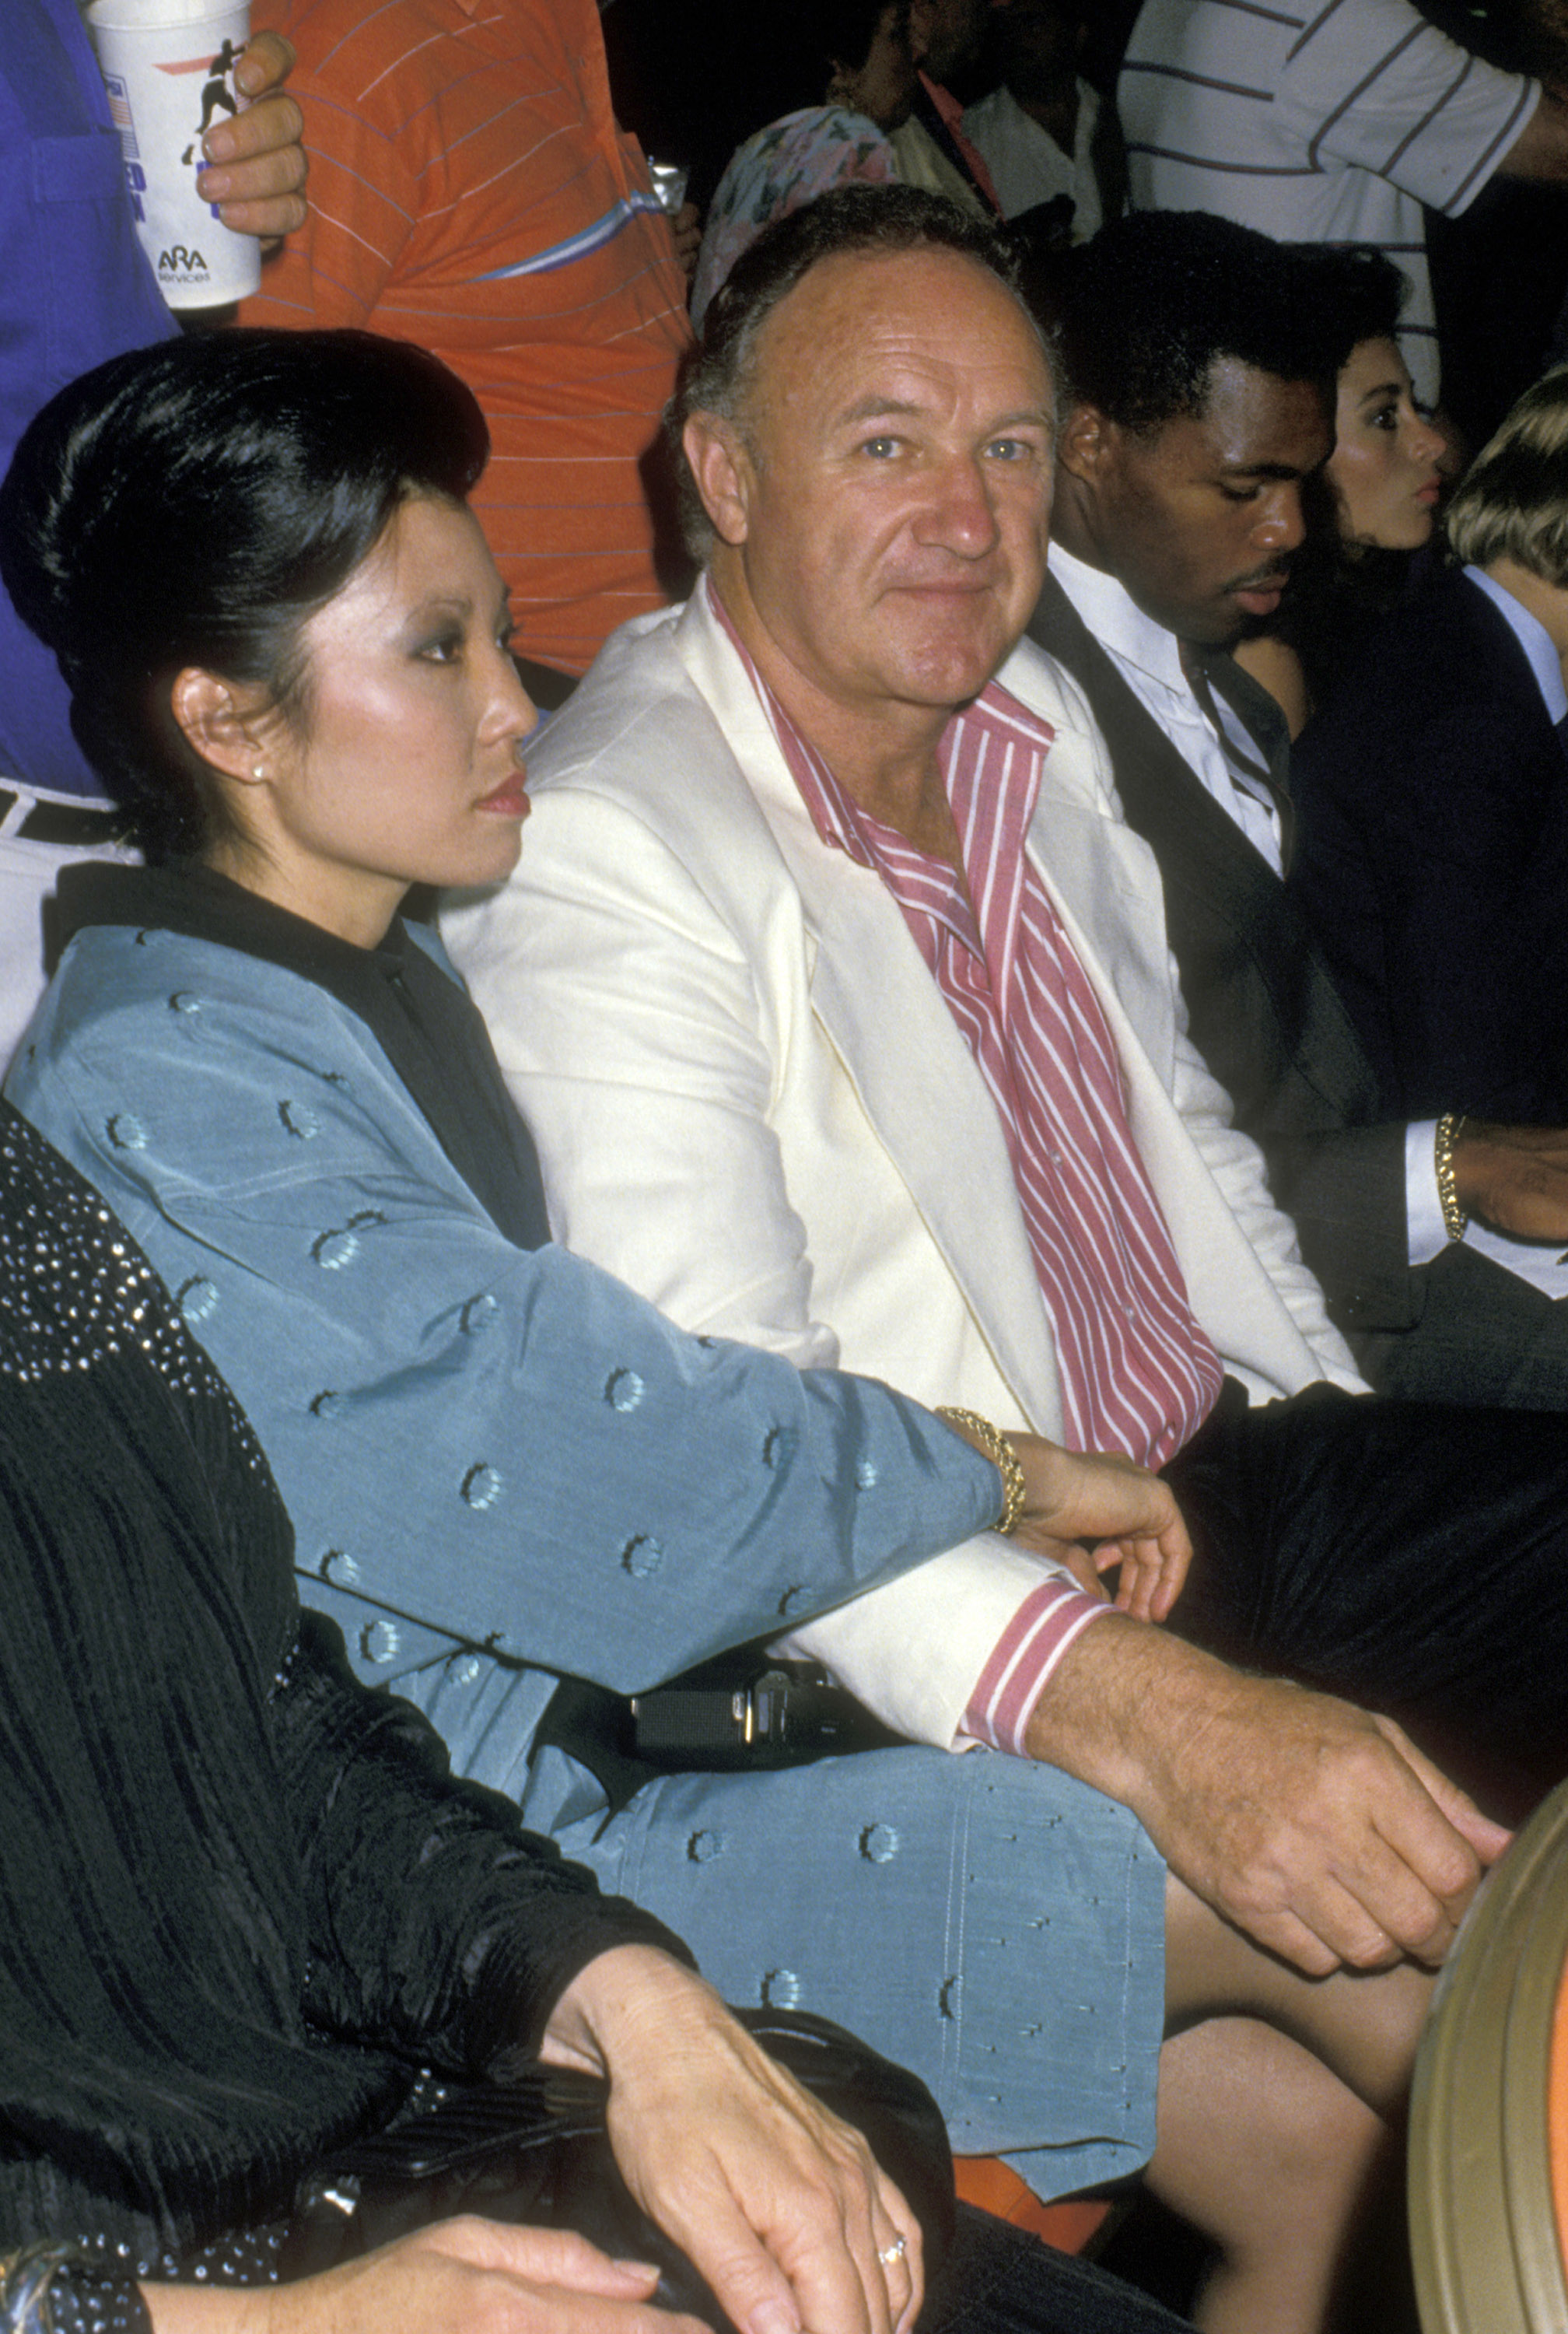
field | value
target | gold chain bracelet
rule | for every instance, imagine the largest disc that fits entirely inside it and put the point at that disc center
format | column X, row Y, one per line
column 1455, row 1219
column 1003, row 1457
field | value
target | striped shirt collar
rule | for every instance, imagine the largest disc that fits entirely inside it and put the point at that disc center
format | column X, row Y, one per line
column 843, row 825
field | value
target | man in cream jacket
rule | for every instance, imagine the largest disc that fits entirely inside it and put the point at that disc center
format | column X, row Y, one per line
column 754, row 1101
column 757, row 985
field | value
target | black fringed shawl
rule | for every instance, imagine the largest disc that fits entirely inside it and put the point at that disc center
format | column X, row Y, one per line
column 240, row 1900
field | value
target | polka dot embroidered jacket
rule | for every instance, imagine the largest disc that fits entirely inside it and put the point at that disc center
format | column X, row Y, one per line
column 501, row 1464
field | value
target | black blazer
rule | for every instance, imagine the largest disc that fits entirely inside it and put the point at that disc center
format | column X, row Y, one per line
column 1432, row 862
column 1262, row 1008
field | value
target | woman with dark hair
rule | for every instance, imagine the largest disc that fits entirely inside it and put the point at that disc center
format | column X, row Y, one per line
column 1433, row 798
column 1376, row 500
column 862, row 47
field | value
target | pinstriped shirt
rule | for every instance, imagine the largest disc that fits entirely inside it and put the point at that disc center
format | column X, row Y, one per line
column 1326, row 121
column 470, row 190
column 1139, row 1374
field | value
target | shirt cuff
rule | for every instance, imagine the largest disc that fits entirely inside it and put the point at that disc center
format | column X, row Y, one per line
column 1428, row 1233
column 912, row 1649
column 1027, row 1652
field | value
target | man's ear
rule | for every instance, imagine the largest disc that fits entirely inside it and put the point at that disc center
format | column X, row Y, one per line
column 1088, row 443
column 222, row 721
column 724, row 474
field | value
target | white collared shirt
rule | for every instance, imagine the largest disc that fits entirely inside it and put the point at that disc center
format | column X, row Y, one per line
column 1539, row 647
column 1148, row 658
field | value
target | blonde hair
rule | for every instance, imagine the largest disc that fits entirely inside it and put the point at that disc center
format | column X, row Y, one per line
column 1513, row 502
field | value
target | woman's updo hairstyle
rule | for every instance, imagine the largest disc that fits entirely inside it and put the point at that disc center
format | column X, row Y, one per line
column 194, row 504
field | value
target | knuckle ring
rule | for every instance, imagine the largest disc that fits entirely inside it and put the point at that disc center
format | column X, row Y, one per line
column 888, row 2254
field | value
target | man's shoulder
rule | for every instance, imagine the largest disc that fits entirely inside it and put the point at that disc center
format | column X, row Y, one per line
column 666, row 726
column 368, row 59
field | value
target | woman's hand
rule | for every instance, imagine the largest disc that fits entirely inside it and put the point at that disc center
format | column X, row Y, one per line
column 1126, row 1516
column 460, row 2277
column 777, row 2202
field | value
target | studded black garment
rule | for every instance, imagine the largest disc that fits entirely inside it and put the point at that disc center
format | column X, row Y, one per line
column 241, row 1901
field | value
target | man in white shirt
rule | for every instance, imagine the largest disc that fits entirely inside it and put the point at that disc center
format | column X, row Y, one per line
column 1333, row 125
column 1199, row 380
column 1044, row 133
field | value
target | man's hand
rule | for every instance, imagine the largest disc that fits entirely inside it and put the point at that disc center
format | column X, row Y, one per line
column 1318, row 1830
column 778, row 2204
column 1513, row 1177
column 686, row 226
column 1126, row 1516
column 256, row 172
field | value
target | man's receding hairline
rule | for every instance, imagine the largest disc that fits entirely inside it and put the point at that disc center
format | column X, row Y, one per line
column 744, row 389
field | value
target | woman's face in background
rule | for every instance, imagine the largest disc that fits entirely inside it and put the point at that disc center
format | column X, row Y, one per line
column 884, row 87
column 1384, row 466
column 401, row 764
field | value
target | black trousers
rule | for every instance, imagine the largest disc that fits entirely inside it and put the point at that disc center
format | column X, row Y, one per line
column 997, row 2280
column 1408, row 1556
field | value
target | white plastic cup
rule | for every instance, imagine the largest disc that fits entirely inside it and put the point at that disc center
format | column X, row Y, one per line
column 168, row 68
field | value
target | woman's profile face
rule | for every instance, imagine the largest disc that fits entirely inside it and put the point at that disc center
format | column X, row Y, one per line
column 403, row 767
column 1384, row 464
column 884, row 87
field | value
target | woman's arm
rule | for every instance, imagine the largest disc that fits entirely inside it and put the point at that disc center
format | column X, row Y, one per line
column 777, row 2204
column 505, row 1446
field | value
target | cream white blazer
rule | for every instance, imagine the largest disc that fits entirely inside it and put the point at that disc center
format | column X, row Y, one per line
column 752, row 1103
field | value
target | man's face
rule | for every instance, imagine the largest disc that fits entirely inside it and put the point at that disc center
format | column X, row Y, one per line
column 1199, row 520
column 944, row 34
column 894, row 484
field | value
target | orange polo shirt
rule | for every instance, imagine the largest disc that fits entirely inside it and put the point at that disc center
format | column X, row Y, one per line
column 469, row 189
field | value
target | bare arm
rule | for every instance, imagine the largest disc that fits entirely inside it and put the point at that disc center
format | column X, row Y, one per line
column 1514, row 1178
column 778, row 2204
column 1541, row 148
column 1317, row 1830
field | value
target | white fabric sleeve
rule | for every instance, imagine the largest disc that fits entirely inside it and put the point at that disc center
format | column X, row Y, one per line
column 1374, row 85
column 1429, row 1234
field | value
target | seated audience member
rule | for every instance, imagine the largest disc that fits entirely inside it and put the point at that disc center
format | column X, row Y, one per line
column 1336, row 125
column 1046, row 137
column 245, row 1903
column 470, row 190
column 911, row 134
column 1200, row 367
column 932, row 147
column 505, row 1471
column 921, row 140
column 1433, row 799
column 863, row 52
column 58, row 316
column 1376, row 506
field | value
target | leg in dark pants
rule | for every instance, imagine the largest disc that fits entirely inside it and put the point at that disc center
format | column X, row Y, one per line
column 1411, row 1557
column 997, row 2280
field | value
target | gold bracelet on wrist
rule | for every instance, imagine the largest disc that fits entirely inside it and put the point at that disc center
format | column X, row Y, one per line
column 1003, row 1457
column 1455, row 1219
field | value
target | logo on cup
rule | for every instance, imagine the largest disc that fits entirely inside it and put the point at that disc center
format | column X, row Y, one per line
column 183, row 267
column 216, row 92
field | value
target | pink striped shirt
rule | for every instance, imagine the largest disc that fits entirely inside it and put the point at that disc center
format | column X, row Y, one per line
column 1139, row 1374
